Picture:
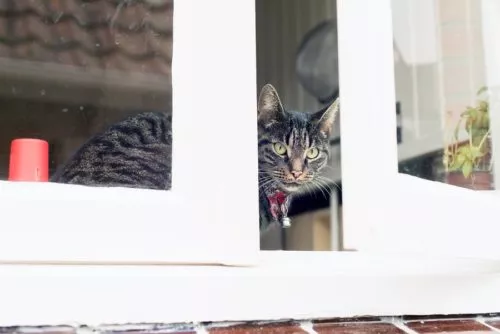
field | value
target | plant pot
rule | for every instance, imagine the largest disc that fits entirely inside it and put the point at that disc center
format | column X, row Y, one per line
column 479, row 180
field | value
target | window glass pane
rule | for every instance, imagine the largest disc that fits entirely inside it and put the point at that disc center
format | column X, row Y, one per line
column 446, row 82
column 72, row 69
column 297, row 55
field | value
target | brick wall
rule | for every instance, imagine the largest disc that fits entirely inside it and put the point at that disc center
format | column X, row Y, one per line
column 472, row 324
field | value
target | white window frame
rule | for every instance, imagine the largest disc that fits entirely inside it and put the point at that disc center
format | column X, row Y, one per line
column 327, row 284
column 413, row 215
column 201, row 217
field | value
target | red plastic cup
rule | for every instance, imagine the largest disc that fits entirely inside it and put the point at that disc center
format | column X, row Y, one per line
column 29, row 160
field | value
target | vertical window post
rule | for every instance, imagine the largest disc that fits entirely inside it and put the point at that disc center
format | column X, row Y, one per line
column 368, row 120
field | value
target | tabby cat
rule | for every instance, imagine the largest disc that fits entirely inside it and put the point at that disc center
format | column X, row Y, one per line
column 293, row 149
column 137, row 152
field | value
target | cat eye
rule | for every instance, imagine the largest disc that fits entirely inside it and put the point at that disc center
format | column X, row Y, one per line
column 279, row 148
column 312, row 153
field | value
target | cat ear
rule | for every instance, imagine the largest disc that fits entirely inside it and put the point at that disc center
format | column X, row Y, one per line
column 326, row 118
column 270, row 109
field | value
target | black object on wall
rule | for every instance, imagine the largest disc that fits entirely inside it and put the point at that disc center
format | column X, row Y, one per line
column 316, row 62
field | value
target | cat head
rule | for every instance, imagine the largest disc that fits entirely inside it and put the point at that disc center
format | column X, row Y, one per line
column 293, row 146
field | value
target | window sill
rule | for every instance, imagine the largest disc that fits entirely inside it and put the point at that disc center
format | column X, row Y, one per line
column 67, row 224
column 285, row 285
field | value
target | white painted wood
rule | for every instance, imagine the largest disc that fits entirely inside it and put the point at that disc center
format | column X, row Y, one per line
column 203, row 214
column 434, row 218
column 413, row 215
column 367, row 108
column 327, row 284
column 216, row 78
column 201, row 218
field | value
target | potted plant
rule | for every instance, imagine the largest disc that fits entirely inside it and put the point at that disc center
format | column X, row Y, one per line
column 468, row 161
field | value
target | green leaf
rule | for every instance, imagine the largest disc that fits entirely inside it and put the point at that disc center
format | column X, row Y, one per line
column 482, row 90
column 483, row 106
column 486, row 121
column 465, row 151
column 476, row 152
column 473, row 114
column 457, row 163
column 460, row 160
column 467, row 168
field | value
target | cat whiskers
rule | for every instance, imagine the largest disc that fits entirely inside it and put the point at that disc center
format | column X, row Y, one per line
column 278, row 174
column 322, row 186
column 308, row 188
column 329, row 180
column 265, row 182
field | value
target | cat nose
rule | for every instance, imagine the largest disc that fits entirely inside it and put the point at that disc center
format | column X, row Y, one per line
column 296, row 174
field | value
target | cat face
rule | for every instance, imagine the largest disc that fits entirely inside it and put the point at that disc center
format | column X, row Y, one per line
column 293, row 146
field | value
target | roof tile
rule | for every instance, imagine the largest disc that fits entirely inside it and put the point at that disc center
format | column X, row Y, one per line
column 127, row 35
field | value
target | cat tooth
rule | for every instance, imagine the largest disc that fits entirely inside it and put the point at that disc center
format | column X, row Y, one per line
column 286, row 222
